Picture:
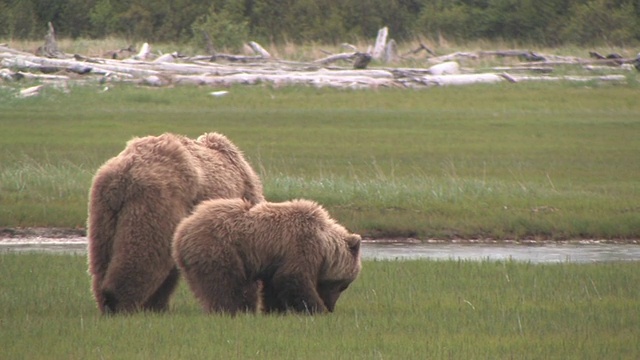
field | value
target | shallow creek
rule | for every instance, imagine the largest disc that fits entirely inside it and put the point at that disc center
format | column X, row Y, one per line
column 578, row 251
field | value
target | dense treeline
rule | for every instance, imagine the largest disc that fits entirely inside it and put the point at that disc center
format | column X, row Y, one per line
column 229, row 22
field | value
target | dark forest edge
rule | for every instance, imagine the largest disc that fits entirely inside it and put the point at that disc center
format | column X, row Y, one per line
column 229, row 23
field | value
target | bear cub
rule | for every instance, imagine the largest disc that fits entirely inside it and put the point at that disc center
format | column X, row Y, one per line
column 272, row 257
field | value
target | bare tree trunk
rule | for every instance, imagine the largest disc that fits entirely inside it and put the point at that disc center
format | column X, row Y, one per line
column 381, row 42
column 50, row 47
column 391, row 51
column 209, row 47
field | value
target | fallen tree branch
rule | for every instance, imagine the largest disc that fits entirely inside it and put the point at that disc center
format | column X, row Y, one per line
column 259, row 49
column 419, row 49
column 336, row 57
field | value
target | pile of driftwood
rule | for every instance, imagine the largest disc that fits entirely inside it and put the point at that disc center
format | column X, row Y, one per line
column 50, row 65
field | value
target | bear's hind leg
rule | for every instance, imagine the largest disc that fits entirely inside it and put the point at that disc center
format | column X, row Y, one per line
column 222, row 287
column 108, row 303
column 101, row 227
column 232, row 294
column 252, row 297
column 298, row 294
column 159, row 301
column 128, row 286
column 118, row 300
column 269, row 298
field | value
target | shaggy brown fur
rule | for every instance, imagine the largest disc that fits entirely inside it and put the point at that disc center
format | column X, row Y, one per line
column 303, row 258
column 136, row 201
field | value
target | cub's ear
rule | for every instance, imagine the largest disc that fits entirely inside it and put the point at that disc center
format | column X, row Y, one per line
column 353, row 241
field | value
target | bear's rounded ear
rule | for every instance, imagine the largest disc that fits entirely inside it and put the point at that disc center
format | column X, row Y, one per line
column 202, row 138
column 353, row 241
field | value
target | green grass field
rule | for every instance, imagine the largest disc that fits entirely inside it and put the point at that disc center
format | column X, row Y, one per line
column 505, row 161
column 394, row 310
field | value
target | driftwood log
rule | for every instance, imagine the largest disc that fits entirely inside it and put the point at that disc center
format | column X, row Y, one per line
column 50, row 65
column 174, row 69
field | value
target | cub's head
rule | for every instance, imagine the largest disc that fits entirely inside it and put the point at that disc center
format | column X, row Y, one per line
column 344, row 270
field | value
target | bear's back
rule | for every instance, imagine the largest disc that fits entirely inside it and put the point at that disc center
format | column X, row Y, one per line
column 161, row 164
column 228, row 174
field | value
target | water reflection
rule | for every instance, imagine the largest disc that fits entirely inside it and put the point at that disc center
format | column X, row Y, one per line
column 546, row 253
column 54, row 246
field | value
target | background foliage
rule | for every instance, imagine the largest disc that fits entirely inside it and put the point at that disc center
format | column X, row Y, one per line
column 549, row 22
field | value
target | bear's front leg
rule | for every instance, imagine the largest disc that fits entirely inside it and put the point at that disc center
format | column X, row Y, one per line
column 297, row 293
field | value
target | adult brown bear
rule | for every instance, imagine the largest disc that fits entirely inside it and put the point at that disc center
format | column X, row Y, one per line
column 136, row 201
column 302, row 256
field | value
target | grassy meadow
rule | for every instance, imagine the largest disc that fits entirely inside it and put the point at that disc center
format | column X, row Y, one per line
column 394, row 310
column 502, row 161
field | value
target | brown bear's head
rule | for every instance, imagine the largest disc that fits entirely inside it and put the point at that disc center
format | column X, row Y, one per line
column 345, row 270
